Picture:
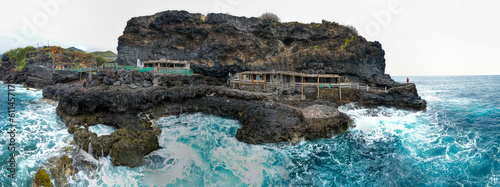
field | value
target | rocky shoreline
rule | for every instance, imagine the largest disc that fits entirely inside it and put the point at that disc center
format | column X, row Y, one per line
column 217, row 44
column 264, row 117
column 131, row 102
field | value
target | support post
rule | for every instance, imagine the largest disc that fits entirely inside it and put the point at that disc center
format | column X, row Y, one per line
column 251, row 79
column 318, row 86
column 293, row 81
column 302, row 86
column 272, row 79
column 281, row 79
column 265, row 82
column 239, row 81
column 340, row 90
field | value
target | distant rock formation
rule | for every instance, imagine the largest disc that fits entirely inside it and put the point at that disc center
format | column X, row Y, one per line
column 108, row 55
column 218, row 44
column 38, row 70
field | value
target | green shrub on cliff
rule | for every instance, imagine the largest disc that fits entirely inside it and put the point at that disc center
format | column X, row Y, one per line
column 100, row 60
column 19, row 55
column 270, row 17
column 353, row 29
column 21, row 65
column 347, row 41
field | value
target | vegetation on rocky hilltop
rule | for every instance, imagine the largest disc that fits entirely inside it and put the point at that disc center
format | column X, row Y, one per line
column 35, row 66
column 19, row 56
column 70, row 57
column 270, row 17
column 108, row 55
column 22, row 57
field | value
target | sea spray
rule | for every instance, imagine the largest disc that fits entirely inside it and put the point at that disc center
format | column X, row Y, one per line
column 101, row 129
column 41, row 135
column 201, row 150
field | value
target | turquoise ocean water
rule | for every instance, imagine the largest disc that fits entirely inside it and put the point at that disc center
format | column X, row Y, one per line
column 455, row 142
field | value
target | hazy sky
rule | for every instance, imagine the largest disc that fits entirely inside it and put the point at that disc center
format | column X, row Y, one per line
column 425, row 37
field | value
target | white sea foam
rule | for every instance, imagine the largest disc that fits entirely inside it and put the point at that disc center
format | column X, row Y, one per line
column 198, row 150
column 106, row 174
column 424, row 137
column 428, row 137
column 40, row 134
column 101, row 129
column 204, row 152
column 201, row 150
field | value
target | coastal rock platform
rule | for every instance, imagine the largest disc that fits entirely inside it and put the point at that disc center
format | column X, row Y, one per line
column 264, row 117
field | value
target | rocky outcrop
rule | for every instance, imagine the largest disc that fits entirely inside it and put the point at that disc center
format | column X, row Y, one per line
column 38, row 71
column 127, row 146
column 37, row 74
column 42, row 179
column 61, row 168
column 262, row 119
column 405, row 96
column 56, row 172
column 67, row 76
column 120, row 77
column 217, row 44
column 324, row 121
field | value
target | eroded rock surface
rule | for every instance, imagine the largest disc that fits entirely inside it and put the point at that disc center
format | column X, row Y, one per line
column 219, row 43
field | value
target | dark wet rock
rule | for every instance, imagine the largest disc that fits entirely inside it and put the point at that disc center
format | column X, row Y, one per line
column 405, row 96
column 126, row 146
column 132, row 146
column 5, row 58
column 262, row 120
column 61, row 168
column 65, row 76
column 324, row 121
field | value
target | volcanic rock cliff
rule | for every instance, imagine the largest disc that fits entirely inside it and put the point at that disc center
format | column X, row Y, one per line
column 218, row 44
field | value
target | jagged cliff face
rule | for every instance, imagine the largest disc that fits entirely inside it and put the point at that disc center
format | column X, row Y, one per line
column 219, row 44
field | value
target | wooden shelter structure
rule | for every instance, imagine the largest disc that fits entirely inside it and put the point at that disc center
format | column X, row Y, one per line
column 166, row 64
column 286, row 78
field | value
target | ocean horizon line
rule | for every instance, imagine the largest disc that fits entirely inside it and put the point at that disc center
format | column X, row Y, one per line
column 442, row 75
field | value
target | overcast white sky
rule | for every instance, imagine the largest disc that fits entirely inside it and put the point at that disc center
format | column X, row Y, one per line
column 425, row 37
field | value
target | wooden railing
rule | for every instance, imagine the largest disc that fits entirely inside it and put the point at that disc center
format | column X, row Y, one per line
column 351, row 85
